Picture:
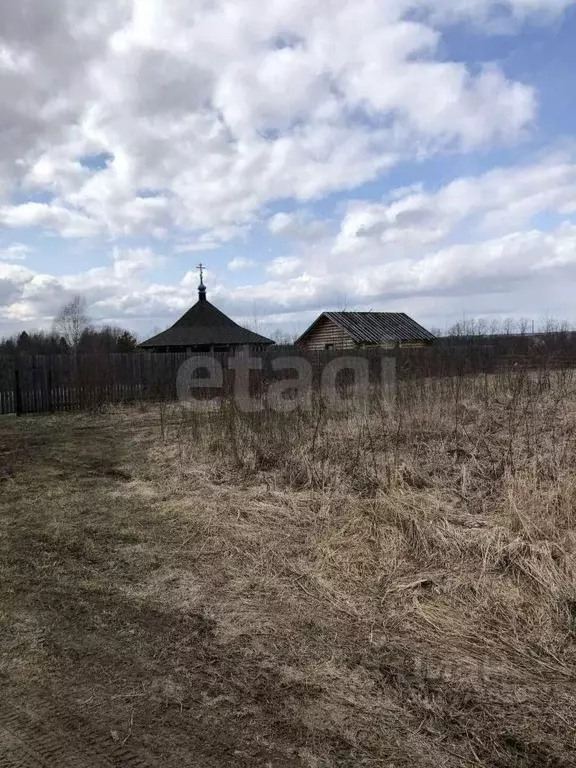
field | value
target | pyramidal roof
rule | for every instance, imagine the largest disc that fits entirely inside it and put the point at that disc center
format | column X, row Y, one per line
column 204, row 325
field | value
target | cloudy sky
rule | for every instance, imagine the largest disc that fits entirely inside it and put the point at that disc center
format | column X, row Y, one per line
column 402, row 155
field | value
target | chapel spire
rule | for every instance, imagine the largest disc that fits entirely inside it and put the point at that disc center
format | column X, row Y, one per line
column 201, row 287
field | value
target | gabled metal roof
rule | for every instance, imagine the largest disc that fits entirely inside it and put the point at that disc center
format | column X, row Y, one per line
column 376, row 327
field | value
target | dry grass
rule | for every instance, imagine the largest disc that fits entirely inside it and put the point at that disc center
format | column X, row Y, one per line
column 386, row 588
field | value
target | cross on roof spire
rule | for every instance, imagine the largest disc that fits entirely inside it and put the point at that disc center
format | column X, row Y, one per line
column 201, row 287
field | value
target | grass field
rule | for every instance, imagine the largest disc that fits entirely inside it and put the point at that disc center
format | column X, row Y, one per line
column 393, row 588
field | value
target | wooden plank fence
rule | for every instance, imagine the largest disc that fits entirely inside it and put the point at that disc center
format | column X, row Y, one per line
column 53, row 383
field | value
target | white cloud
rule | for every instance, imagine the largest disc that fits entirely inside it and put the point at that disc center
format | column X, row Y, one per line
column 281, row 223
column 209, row 241
column 499, row 201
column 196, row 247
column 500, row 232
column 132, row 262
column 517, row 260
column 217, row 109
column 284, row 266
column 68, row 223
column 297, row 226
column 239, row 263
column 491, row 266
column 26, row 294
column 15, row 252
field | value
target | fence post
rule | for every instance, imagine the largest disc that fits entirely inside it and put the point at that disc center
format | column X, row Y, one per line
column 398, row 370
column 17, row 386
column 48, row 359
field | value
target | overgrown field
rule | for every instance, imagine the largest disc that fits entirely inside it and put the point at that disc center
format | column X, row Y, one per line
column 391, row 587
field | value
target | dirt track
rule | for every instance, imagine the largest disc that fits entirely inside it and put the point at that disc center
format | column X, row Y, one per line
column 45, row 737
column 93, row 673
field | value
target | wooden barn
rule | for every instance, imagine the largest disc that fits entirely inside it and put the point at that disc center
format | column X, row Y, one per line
column 204, row 328
column 349, row 330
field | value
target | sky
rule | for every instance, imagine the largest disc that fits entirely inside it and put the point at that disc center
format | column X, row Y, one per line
column 391, row 155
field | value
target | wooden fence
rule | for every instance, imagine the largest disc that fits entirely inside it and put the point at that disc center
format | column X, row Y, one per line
column 52, row 383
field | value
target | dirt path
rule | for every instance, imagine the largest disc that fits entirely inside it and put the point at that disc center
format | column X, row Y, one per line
column 45, row 737
column 94, row 671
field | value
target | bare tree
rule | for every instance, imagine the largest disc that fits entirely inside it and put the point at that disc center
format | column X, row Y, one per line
column 523, row 326
column 495, row 327
column 72, row 321
column 482, row 327
column 283, row 337
column 509, row 325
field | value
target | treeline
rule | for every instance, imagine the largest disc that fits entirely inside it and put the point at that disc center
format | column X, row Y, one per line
column 91, row 341
column 545, row 339
column 72, row 331
column 475, row 327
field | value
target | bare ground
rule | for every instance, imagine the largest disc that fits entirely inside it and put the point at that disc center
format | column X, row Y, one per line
column 394, row 592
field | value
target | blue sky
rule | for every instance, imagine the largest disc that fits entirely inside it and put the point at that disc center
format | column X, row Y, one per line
column 414, row 156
